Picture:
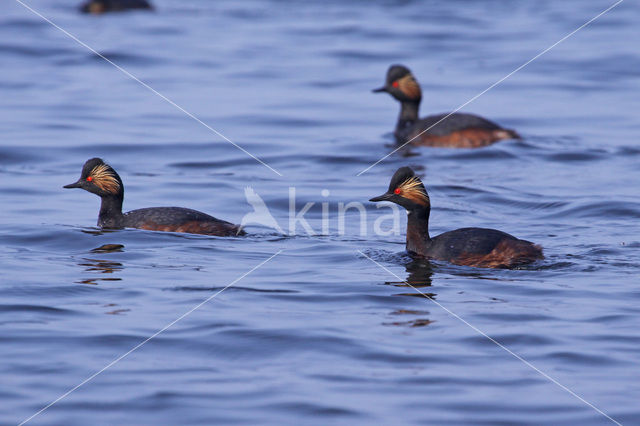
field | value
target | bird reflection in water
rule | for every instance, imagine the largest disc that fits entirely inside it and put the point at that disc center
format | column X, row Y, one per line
column 100, row 265
column 420, row 272
column 104, row 267
column 418, row 322
column 114, row 311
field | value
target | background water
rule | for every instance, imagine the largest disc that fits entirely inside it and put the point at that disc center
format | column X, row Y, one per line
column 319, row 334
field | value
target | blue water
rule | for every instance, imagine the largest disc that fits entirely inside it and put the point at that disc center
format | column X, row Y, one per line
column 320, row 334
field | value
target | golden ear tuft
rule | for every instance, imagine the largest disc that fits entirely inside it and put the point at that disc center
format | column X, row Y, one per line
column 104, row 179
column 412, row 189
column 410, row 87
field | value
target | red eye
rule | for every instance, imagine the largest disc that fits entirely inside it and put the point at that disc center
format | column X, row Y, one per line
column 397, row 191
column 89, row 178
column 395, row 84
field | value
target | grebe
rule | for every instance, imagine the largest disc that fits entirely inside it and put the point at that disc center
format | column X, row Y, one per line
column 101, row 179
column 98, row 7
column 457, row 131
column 480, row 247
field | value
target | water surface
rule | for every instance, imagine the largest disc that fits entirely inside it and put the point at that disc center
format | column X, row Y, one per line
column 320, row 333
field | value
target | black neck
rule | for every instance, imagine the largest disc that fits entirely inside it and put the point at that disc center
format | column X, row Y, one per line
column 408, row 115
column 111, row 212
column 418, row 239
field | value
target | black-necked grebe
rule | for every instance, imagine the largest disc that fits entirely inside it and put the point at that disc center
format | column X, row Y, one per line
column 457, row 131
column 100, row 178
column 102, row 6
column 480, row 247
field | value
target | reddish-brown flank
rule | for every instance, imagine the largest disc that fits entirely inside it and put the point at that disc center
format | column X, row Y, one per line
column 507, row 254
column 196, row 227
column 467, row 138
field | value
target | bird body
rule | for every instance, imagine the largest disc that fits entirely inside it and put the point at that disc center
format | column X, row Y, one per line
column 97, row 7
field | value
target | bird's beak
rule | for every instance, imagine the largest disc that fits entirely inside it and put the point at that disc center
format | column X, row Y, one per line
column 77, row 184
column 383, row 197
column 380, row 89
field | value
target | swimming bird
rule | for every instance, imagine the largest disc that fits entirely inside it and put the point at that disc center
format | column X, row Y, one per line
column 479, row 247
column 98, row 7
column 101, row 179
column 458, row 130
